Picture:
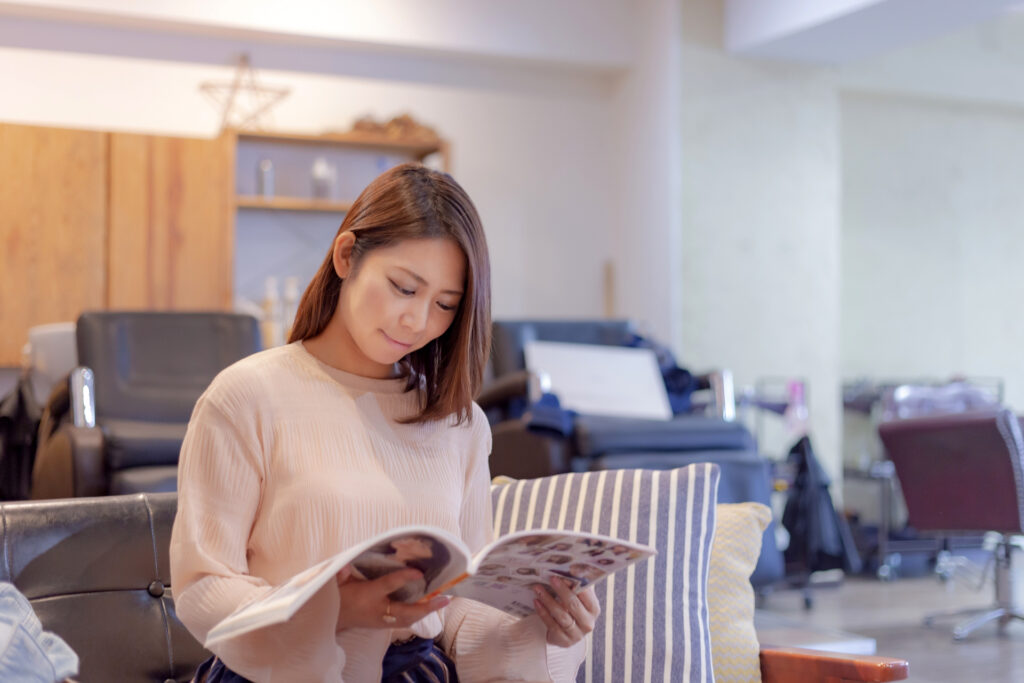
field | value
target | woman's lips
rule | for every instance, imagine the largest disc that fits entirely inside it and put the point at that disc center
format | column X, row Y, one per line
column 394, row 341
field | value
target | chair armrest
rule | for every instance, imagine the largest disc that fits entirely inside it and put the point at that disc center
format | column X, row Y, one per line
column 798, row 665
column 500, row 390
column 521, row 454
column 521, row 384
column 70, row 463
column 90, row 465
column 723, row 394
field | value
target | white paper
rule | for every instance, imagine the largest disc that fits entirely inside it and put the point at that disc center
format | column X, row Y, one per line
column 602, row 380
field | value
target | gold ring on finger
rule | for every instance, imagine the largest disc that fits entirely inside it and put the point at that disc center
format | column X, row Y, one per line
column 388, row 617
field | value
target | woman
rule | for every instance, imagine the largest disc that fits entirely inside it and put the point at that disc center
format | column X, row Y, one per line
column 364, row 422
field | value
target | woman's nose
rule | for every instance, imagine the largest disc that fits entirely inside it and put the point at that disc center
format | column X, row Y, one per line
column 415, row 316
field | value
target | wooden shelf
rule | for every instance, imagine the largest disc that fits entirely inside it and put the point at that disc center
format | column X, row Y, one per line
column 291, row 204
column 414, row 148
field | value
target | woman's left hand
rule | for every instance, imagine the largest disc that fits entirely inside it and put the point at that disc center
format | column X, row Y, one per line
column 569, row 616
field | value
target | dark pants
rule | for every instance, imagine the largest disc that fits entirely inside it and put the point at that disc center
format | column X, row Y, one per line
column 416, row 661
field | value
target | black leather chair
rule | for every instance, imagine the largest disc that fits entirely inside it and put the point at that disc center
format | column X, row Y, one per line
column 119, row 427
column 97, row 572
column 602, row 443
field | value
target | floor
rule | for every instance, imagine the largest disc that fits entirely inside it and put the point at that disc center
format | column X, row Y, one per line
column 891, row 613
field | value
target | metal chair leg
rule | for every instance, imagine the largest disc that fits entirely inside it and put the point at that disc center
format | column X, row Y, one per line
column 962, row 630
column 1009, row 595
column 930, row 619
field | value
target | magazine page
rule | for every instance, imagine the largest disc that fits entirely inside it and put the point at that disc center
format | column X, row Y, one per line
column 505, row 572
column 439, row 555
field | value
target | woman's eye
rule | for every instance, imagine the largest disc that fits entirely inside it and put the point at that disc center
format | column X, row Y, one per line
column 401, row 290
column 445, row 307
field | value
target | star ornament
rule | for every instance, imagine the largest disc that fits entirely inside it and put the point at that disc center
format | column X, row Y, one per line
column 244, row 102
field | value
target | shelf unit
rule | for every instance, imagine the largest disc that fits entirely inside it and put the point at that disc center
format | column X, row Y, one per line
column 332, row 144
column 286, row 233
column 291, row 204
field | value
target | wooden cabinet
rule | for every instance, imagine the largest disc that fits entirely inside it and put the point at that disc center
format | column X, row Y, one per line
column 53, row 216
column 92, row 219
column 171, row 234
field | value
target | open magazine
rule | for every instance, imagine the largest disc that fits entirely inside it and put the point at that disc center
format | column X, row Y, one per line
column 503, row 574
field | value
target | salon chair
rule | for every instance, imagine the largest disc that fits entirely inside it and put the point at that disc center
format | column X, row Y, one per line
column 117, row 425
column 592, row 442
column 964, row 474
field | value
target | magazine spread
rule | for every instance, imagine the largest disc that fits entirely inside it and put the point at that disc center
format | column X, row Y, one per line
column 503, row 574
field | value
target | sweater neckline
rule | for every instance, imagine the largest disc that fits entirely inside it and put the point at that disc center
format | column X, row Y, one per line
column 369, row 384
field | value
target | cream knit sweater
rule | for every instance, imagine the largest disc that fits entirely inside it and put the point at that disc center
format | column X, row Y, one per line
column 288, row 461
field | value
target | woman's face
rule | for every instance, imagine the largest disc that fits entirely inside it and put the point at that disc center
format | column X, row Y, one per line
column 400, row 299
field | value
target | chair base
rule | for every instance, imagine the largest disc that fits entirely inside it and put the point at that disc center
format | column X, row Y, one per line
column 982, row 616
column 1009, row 588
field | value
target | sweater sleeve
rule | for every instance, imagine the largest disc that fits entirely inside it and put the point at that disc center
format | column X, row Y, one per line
column 487, row 644
column 220, row 481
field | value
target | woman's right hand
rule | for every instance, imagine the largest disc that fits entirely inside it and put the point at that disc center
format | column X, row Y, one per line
column 365, row 604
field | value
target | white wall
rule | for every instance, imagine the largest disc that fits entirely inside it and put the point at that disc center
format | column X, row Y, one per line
column 933, row 239
column 647, row 169
column 761, row 230
column 844, row 31
column 587, row 33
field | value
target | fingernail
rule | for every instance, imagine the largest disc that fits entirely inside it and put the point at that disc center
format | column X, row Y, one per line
column 537, row 590
column 441, row 601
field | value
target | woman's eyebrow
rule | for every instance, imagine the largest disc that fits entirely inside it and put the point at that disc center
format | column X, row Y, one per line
column 420, row 280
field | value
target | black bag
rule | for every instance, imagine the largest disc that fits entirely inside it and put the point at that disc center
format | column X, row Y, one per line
column 820, row 537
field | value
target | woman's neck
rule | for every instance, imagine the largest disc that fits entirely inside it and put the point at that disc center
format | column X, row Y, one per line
column 335, row 347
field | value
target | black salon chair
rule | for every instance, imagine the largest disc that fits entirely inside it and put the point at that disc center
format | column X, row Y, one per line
column 117, row 426
column 522, row 450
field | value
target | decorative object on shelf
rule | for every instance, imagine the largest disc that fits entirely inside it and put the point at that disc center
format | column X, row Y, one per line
column 243, row 101
column 270, row 325
column 265, row 179
column 291, row 304
column 401, row 127
column 325, row 176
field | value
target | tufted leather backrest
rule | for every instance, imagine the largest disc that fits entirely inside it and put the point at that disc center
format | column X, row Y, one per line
column 97, row 573
column 152, row 366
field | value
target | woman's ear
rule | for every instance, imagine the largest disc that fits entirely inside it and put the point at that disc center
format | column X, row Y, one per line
column 342, row 254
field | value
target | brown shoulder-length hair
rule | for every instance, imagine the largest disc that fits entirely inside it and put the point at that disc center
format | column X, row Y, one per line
column 411, row 201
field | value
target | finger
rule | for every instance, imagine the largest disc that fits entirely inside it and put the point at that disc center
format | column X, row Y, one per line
column 546, row 598
column 410, row 613
column 589, row 600
column 556, row 636
column 562, row 617
column 572, row 605
column 568, row 600
column 389, row 583
column 344, row 574
column 562, row 589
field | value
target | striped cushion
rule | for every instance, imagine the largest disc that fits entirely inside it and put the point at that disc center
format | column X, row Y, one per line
column 654, row 624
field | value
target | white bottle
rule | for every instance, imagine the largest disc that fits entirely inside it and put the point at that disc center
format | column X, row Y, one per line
column 270, row 326
column 324, row 175
column 291, row 304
